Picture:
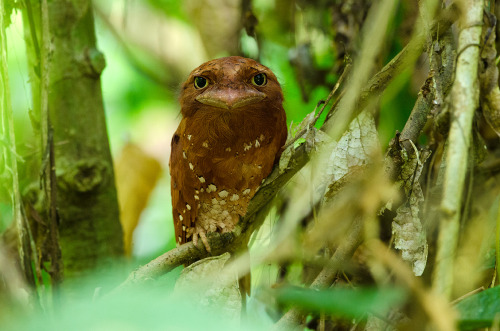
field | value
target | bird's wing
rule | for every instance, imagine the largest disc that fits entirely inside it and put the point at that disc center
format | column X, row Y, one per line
column 183, row 181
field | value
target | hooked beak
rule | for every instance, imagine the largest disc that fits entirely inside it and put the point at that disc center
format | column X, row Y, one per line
column 229, row 98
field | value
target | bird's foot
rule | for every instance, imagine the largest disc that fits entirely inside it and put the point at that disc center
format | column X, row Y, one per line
column 200, row 232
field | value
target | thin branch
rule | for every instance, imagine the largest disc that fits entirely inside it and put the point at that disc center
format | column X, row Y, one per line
column 431, row 95
column 299, row 135
column 464, row 101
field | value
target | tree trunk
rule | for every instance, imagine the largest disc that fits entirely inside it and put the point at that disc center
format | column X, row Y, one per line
column 83, row 200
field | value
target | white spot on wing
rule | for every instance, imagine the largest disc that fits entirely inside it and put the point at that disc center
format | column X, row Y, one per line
column 235, row 197
column 247, row 191
column 188, row 206
column 189, row 137
column 196, row 197
column 191, row 166
column 211, row 188
column 223, row 193
column 228, row 149
column 205, row 144
column 257, row 143
column 180, row 217
column 202, row 179
column 184, row 154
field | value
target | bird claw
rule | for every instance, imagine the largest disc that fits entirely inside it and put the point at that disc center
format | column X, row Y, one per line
column 199, row 231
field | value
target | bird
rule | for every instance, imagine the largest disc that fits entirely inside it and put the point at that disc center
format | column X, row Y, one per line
column 231, row 134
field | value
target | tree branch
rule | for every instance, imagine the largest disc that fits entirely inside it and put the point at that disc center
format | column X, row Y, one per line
column 464, row 101
column 431, row 96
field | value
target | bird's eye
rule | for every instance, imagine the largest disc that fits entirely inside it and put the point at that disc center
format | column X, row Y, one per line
column 200, row 82
column 259, row 79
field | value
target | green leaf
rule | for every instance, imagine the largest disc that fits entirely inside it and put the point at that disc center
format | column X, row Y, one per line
column 343, row 302
column 479, row 310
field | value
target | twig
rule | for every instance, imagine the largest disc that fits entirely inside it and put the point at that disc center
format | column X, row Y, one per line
column 431, row 92
column 466, row 295
column 464, row 101
column 299, row 135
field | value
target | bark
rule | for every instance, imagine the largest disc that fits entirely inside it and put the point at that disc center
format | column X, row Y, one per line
column 464, row 101
column 78, row 171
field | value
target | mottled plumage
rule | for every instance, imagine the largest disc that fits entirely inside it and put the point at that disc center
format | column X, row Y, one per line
column 232, row 130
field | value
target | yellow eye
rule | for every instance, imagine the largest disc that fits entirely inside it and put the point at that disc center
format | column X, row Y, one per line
column 259, row 79
column 200, row 82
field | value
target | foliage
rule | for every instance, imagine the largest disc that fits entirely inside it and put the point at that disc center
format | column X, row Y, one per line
column 480, row 310
column 392, row 208
column 343, row 302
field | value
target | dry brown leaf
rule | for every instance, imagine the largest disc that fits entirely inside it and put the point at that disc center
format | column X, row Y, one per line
column 409, row 234
column 136, row 176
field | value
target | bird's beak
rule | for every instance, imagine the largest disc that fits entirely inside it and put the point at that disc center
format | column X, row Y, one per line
column 230, row 98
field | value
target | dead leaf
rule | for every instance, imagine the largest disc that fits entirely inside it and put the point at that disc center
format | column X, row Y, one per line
column 207, row 285
column 136, row 175
column 407, row 230
column 354, row 149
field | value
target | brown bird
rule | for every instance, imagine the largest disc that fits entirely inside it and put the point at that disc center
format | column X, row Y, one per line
column 231, row 134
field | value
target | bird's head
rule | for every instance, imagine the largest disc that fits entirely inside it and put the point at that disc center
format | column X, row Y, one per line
column 230, row 84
